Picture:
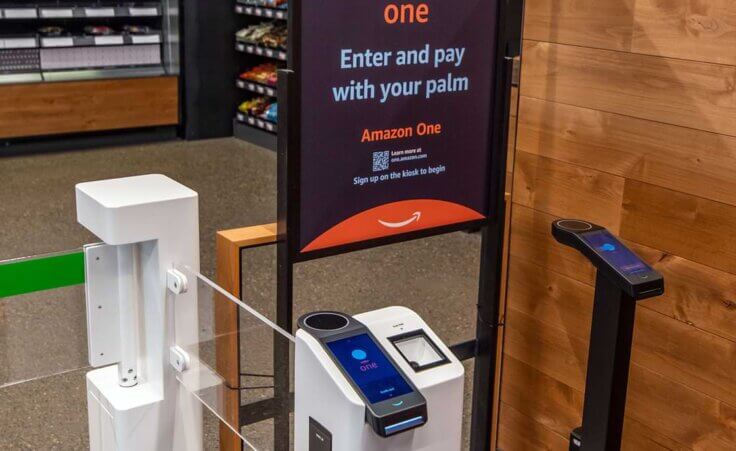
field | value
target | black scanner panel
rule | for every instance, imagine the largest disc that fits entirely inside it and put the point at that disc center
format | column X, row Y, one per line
column 611, row 257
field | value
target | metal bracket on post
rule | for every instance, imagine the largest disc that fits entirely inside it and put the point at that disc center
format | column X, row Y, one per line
column 111, row 293
column 179, row 359
column 516, row 72
column 176, row 281
column 101, row 294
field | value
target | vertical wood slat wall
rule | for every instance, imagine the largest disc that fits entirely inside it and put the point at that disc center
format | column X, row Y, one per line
column 627, row 118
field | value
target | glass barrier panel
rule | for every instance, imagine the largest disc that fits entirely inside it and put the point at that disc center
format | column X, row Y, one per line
column 43, row 329
column 241, row 369
column 43, row 353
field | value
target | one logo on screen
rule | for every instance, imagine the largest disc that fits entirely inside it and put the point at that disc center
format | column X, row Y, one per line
column 397, row 225
column 608, row 247
column 359, row 354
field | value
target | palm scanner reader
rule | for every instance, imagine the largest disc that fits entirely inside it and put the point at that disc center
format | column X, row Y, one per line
column 380, row 380
column 622, row 279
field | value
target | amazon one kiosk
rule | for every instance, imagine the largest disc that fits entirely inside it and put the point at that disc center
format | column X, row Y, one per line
column 378, row 381
column 622, row 279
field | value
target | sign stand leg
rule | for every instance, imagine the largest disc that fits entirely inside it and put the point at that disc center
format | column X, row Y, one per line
column 281, row 364
column 287, row 139
column 486, row 339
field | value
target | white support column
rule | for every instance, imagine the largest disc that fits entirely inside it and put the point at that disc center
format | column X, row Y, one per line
column 154, row 223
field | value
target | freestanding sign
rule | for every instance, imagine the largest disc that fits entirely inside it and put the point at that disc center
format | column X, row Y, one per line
column 393, row 125
column 395, row 118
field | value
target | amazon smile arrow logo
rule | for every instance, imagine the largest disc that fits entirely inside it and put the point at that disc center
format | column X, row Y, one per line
column 396, row 225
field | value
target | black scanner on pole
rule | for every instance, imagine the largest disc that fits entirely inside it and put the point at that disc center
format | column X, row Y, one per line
column 622, row 278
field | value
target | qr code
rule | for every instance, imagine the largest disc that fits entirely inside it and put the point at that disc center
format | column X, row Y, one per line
column 380, row 161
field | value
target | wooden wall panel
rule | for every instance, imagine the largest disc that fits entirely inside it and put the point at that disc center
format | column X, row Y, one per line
column 556, row 412
column 680, row 413
column 682, row 159
column 698, row 229
column 86, row 106
column 675, row 412
column 567, row 190
column 531, row 239
column 549, row 402
column 535, row 436
column 639, row 437
column 686, row 93
column 697, row 30
column 627, row 117
column 688, row 355
column 697, row 295
column 602, row 24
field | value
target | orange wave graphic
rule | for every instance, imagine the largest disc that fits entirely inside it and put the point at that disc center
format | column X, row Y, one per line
column 393, row 219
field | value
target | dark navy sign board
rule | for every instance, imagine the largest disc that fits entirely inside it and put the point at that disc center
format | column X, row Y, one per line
column 395, row 118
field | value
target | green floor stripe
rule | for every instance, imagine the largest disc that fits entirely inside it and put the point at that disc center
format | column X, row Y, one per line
column 42, row 273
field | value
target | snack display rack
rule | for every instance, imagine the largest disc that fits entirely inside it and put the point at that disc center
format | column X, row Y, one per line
column 251, row 9
column 253, row 49
column 258, row 88
column 255, row 121
column 261, row 44
column 74, row 11
column 66, row 40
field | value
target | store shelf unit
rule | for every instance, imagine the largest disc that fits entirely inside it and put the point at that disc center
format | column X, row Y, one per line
column 105, row 51
column 260, row 43
column 93, row 41
column 257, row 88
column 11, row 13
column 259, row 50
column 255, row 121
column 97, row 39
column 261, row 11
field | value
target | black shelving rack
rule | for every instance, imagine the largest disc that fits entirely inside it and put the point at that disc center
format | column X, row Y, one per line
column 257, row 129
column 48, row 41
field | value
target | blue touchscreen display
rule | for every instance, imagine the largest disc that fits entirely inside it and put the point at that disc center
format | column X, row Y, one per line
column 615, row 253
column 369, row 368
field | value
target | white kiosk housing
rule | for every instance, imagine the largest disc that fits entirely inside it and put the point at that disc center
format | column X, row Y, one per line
column 349, row 393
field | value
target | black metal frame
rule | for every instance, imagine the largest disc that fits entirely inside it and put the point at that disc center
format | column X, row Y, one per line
column 491, row 263
column 483, row 348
